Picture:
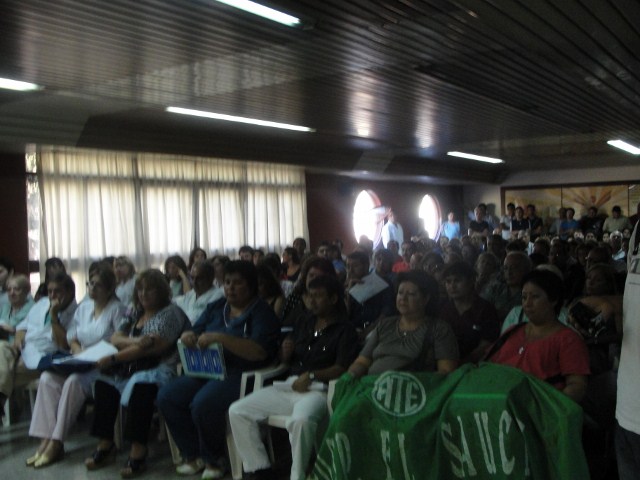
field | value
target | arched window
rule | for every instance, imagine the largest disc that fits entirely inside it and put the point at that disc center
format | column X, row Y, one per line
column 430, row 214
column 368, row 216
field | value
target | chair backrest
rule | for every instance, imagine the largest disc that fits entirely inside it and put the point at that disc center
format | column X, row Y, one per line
column 330, row 391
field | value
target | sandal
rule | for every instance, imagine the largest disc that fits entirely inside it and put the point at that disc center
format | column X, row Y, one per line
column 134, row 467
column 33, row 459
column 100, row 458
column 45, row 459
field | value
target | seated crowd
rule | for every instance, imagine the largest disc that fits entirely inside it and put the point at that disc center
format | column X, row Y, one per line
column 549, row 305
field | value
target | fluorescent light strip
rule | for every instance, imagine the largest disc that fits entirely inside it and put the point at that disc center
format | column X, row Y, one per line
column 262, row 11
column 9, row 84
column 475, row 157
column 231, row 118
column 627, row 147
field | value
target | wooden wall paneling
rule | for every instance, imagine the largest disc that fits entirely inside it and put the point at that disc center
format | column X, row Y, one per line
column 14, row 241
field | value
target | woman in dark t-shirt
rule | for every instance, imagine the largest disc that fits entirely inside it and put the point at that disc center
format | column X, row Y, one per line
column 415, row 340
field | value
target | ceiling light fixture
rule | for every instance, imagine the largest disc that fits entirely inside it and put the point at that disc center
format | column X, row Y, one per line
column 627, row 147
column 479, row 158
column 231, row 118
column 9, row 84
column 262, row 11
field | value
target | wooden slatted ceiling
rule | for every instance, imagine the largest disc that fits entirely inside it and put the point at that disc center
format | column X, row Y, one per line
column 499, row 75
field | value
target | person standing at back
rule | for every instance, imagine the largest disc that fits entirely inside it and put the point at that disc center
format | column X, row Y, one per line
column 627, row 439
column 392, row 230
column 505, row 221
column 616, row 221
column 450, row 227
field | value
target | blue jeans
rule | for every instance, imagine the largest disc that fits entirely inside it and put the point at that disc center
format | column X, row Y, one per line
column 627, row 453
column 195, row 411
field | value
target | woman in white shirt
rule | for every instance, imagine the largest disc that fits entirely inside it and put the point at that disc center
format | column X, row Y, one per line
column 61, row 397
column 125, row 274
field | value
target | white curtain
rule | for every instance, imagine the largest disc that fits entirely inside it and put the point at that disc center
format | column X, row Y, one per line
column 148, row 206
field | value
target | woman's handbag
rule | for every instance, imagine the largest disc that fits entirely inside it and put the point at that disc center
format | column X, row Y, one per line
column 127, row 369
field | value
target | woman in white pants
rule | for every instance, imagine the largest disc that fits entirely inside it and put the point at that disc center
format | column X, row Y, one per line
column 320, row 349
column 60, row 398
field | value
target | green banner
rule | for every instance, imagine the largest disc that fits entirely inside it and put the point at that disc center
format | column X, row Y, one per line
column 481, row 422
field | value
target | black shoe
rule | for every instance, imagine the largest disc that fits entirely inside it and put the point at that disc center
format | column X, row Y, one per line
column 100, row 458
column 134, row 467
column 264, row 474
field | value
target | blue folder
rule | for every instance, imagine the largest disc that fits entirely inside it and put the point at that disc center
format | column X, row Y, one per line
column 203, row 363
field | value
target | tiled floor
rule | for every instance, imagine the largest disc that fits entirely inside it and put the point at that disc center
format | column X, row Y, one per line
column 16, row 447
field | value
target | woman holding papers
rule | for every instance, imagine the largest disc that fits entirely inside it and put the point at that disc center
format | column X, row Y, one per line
column 320, row 349
column 61, row 397
column 146, row 359
column 194, row 408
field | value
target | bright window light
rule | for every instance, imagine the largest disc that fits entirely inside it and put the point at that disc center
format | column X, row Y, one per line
column 9, row 84
column 479, row 158
column 627, row 147
column 368, row 216
column 262, row 11
column 231, row 118
column 429, row 212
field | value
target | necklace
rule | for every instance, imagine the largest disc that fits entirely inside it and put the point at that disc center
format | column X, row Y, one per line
column 320, row 327
column 226, row 310
column 404, row 332
column 529, row 337
column 525, row 340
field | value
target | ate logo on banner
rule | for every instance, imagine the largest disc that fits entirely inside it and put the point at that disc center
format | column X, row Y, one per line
column 398, row 394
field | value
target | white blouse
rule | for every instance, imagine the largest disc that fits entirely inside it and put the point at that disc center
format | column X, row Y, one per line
column 124, row 291
column 89, row 330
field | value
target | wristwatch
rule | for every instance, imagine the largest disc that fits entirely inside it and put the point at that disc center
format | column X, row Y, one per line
column 312, row 376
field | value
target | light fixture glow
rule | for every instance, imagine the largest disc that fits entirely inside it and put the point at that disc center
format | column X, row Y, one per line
column 262, row 11
column 231, row 118
column 479, row 158
column 9, row 84
column 627, row 147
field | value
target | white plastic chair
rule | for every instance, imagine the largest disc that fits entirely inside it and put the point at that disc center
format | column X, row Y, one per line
column 259, row 378
column 276, row 421
column 32, row 389
column 235, row 462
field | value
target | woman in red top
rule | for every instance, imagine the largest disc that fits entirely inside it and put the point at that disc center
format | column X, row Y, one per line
column 544, row 347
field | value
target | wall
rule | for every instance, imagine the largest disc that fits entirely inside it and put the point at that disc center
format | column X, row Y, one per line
column 14, row 242
column 490, row 194
column 330, row 200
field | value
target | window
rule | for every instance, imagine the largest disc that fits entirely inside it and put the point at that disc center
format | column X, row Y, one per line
column 368, row 216
column 430, row 214
column 149, row 206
